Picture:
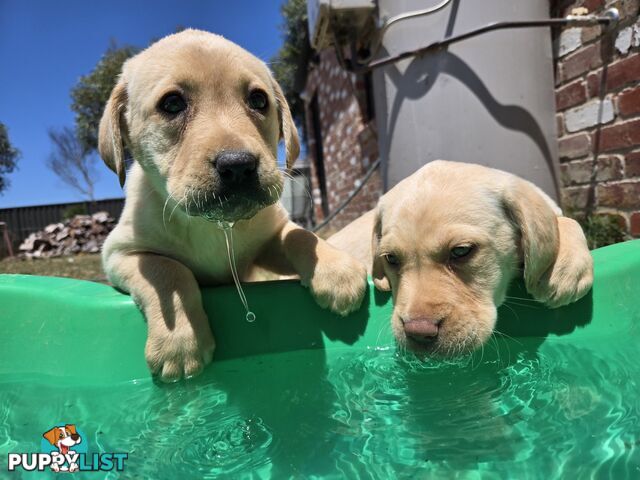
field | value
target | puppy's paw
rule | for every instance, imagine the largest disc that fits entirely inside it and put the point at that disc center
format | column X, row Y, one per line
column 568, row 287
column 339, row 283
column 571, row 276
column 180, row 353
column 566, row 282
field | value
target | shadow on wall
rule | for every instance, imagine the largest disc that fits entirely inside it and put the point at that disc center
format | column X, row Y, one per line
column 422, row 74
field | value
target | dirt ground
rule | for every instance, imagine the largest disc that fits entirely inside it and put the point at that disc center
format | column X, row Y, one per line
column 85, row 267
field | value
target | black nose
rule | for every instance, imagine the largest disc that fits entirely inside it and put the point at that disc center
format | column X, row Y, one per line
column 75, row 437
column 235, row 166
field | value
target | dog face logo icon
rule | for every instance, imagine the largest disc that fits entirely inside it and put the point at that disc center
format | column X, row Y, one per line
column 63, row 438
column 64, row 448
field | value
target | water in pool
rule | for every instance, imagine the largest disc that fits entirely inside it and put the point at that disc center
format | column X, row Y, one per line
column 512, row 412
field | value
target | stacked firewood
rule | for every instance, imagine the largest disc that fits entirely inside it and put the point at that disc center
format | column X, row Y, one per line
column 81, row 234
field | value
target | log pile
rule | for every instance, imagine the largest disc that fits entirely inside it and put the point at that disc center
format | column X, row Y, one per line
column 81, row 234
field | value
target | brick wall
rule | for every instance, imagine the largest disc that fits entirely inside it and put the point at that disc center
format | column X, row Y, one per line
column 348, row 136
column 598, row 119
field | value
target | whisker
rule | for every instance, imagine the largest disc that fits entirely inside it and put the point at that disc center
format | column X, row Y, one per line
column 524, row 305
column 176, row 206
column 494, row 342
column 163, row 211
column 508, row 336
column 304, row 185
column 380, row 333
column 533, row 300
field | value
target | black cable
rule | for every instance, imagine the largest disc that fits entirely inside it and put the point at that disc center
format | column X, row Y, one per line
column 361, row 68
column 346, row 202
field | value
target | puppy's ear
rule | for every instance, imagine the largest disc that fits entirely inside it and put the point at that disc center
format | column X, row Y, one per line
column 288, row 130
column 380, row 279
column 539, row 237
column 71, row 429
column 113, row 130
column 51, row 436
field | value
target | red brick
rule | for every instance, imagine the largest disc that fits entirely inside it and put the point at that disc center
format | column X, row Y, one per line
column 632, row 164
column 624, row 72
column 593, row 5
column 590, row 33
column 579, row 173
column 575, row 146
column 585, row 59
column 621, row 136
column 574, row 199
column 571, row 95
column 593, row 84
column 609, row 168
column 620, row 74
column 629, row 102
column 635, row 224
column 619, row 195
column 576, row 173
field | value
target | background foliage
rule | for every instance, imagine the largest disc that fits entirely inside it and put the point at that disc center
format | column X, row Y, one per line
column 92, row 91
column 289, row 65
column 9, row 156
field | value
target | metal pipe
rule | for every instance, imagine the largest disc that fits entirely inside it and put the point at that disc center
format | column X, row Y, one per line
column 388, row 23
column 609, row 18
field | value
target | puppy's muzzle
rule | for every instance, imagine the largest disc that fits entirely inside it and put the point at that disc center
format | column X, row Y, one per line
column 236, row 167
column 422, row 330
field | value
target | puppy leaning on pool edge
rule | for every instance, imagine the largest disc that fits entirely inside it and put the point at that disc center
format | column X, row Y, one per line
column 202, row 119
column 448, row 240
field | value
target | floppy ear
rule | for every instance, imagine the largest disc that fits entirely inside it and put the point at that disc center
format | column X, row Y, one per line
column 71, row 428
column 380, row 280
column 51, row 436
column 112, row 130
column 288, row 130
column 539, row 237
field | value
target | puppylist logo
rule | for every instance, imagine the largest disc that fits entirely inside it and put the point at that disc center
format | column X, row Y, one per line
column 64, row 449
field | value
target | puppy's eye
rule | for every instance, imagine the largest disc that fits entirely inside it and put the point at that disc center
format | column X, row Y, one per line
column 258, row 100
column 392, row 259
column 172, row 103
column 461, row 251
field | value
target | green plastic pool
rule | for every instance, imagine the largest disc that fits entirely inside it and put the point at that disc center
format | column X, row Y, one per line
column 300, row 393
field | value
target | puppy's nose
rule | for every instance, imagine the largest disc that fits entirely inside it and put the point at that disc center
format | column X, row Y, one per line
column 235, row 166
column 422, row 329
column 75, row 437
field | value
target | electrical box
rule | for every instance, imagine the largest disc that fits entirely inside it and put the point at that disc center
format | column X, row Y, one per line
column 344, row 20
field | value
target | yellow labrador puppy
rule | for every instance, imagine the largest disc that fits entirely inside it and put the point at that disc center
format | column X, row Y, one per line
column 202, row 119
column 448, row 240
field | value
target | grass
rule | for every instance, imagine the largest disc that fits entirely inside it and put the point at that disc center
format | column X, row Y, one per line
column 84, row 267
column 602, row 230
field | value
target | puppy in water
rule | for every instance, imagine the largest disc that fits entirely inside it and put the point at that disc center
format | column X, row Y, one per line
column 447, row 242
column 202, row 119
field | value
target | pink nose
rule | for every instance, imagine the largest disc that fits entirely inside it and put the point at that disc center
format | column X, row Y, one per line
column 422, row 329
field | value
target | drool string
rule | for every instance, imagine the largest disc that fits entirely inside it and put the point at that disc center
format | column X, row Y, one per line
column 227, row 228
